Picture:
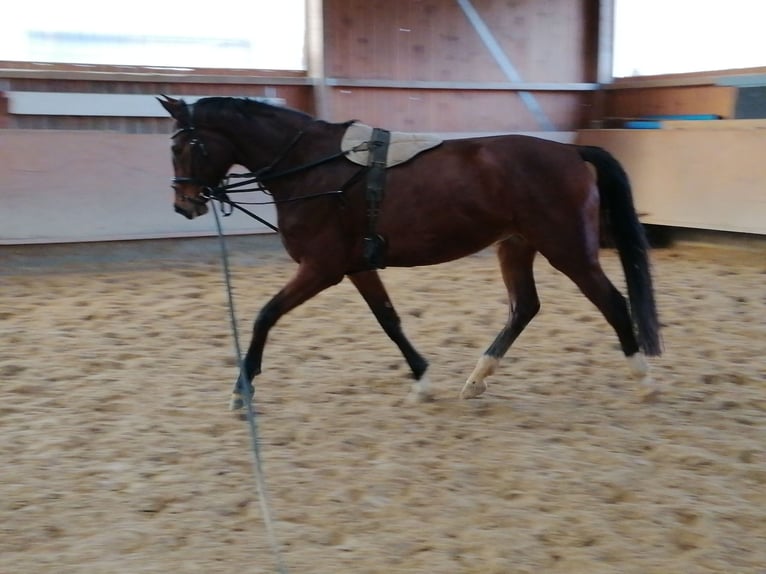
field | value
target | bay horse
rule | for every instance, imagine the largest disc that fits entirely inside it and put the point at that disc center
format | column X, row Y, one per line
column 523, row 194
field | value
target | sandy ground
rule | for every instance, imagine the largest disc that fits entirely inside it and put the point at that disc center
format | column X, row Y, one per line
column 119, row 454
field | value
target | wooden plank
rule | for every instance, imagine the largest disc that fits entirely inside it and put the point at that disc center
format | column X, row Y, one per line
column 447, row 110
column 437, row 85
column 94, row 105
column 73, row 72
column 745, row 81
column 707, row 78
column 703, row 179
column 637, row 102
column 431, row 40
column 430, row 46
column 758, row 124
column 67, row 186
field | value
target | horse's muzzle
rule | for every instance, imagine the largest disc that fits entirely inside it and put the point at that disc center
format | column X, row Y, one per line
column 195, row 210
column 187, row 214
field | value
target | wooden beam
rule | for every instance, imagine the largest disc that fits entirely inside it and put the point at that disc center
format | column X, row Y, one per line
column 185, row 76
column 505, row 63
column 315, row 55
column 605, row 56
column 436, row 85
column 94, row 105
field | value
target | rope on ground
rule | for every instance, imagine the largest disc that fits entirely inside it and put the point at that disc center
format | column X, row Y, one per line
column 247, row 397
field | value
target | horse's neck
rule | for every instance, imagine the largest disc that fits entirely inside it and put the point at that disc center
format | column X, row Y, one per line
column 266, row 141
column 293, row 145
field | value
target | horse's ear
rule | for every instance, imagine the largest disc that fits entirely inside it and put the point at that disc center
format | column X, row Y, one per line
column 172, row 105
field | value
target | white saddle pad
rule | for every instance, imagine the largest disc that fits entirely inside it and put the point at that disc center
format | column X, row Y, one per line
column 402, row 147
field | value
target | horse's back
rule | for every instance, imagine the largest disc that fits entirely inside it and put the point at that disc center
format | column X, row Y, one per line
column 472, row 192
column 504, row 171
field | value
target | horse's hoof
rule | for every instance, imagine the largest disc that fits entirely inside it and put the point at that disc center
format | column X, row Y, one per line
column 648, row 390
column 473, row 389
column 421, row 391
column 650, row 394
column 417, row 396
column 236, row 403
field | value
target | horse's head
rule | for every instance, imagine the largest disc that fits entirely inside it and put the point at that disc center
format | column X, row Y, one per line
column 201, row 158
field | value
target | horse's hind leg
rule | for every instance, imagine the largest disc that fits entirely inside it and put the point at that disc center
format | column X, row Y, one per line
column 371, row 288
column 516, row 264
column 585, row 270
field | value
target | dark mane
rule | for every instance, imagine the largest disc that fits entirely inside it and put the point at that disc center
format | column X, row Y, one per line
column 220, row 107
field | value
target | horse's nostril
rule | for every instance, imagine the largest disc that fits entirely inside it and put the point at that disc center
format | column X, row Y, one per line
column 183, row 212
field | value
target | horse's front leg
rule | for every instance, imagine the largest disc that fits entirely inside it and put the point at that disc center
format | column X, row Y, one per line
column 307, row 282
column 371, row 288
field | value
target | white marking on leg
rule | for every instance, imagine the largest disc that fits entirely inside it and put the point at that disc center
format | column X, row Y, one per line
column 638, row 365
column 236, row 402
column 421, row 390
column 475, row 385
column 649, row 390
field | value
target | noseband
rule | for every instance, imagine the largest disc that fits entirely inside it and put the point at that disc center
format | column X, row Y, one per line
column 197, row 147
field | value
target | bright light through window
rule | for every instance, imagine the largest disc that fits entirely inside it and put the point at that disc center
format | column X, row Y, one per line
column 673, row 36
column 252, row 34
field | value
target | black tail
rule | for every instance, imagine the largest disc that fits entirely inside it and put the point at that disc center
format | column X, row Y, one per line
column 631, row 242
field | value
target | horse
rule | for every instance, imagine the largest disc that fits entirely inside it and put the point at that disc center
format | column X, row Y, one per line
column 522, row 194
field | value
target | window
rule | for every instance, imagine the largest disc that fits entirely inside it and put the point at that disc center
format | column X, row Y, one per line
column 673, row 36
column 253, row 34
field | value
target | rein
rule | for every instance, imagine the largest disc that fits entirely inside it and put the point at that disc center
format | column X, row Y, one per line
column 257, row 179
column 248, row 397
column 221, row 193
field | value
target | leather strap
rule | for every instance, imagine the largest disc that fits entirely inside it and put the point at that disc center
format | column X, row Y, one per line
column 374, row 244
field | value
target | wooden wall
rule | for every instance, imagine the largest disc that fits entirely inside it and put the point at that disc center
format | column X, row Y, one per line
column 411, row 65
column 418, row 65
column 433, row 40
column 421, row 64
column 694, row 93
column 465, row 111
column 689, row 174
column 89, row 185
column 293, row 87
column 701, row 175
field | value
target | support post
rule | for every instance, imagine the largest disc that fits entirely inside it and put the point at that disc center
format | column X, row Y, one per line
column 505, row 63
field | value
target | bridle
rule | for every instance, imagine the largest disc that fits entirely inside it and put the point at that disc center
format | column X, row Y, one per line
column 197, row 147
column 220, row 191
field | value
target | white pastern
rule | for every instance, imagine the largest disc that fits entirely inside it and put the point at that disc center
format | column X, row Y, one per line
column 649, row 390
column 421, row 390
column 638, row 365
column 236, row 402
column 475, row 385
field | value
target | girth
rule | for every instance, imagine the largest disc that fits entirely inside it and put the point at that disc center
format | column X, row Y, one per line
column 374, row 243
